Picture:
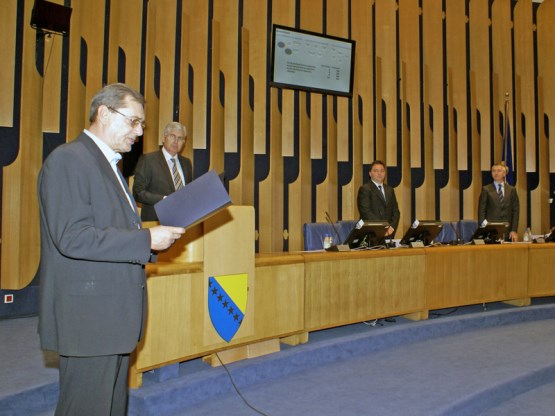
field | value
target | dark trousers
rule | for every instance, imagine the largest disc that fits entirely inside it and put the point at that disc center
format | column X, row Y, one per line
column 95, row 386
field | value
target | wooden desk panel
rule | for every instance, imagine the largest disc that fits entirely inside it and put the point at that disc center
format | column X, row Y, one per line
column 541, row 264
column 343, row 288
column 465, row 275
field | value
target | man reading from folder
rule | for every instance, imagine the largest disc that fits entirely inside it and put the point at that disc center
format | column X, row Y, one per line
column 376, row 200
column 162, row 172
column 499, row 201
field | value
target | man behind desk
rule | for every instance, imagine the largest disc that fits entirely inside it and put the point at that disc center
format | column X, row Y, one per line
column 499, row 201
column 376, row 200
column 162, row 172
column 93, row 252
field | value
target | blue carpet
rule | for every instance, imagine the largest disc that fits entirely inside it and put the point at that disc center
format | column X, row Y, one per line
column 465, row 362
column 459, row 365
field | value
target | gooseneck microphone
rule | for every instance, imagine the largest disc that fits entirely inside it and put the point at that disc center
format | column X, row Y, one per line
column 328, row 218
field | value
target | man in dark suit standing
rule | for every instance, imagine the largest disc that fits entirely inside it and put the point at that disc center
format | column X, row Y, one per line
column 499, row 201
column 93, row 252
column 376, row 200
column 160, row 173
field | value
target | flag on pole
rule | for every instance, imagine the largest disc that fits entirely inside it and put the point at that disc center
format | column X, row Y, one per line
column 507, row 148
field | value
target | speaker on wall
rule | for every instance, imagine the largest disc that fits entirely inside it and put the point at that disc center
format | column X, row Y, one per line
column 50, row 17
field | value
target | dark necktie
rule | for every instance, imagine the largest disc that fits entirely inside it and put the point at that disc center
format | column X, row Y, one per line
column 381, row 192
column 500, row 192
column 126, row 189
column 176, row 176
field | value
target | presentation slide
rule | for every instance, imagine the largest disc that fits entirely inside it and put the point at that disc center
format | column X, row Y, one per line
column 312, row 62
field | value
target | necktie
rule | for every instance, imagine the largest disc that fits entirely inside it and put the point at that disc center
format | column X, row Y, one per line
column 124, row 186
column 176, row 177
column 381, row 191
column 500, row 192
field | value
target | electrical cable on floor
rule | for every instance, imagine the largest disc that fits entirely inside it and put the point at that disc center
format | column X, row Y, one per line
column 437, row 315
column 237, row 388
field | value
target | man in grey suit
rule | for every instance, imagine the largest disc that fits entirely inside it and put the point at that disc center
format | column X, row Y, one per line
column 93, row 253
column 160, row 173
column 376, row 200
column 499, row 201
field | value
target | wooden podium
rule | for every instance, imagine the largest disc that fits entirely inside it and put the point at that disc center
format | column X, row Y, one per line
column 179, row 327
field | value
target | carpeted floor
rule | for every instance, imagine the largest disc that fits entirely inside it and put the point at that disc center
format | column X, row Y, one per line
column 468, row 362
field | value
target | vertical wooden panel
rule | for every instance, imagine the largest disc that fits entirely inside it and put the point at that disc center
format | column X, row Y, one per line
column 226, row 13
column 432, row 27
column 216, row 138
column 449, row 195
column 546, row 100
column 7, row 57
column 472, row 194
column 253, row 11
column 311, row 19
column 197, row 15
column 546, row 63
column 20, row 217
column 87, row 40
column 338, row 25
column 185, row 103
column 363, row 86
column 241, row 189
column 285, row 15
column 425, row 196
column 404, row 191
column 524, row 132
column 271, row 203
column 524, row 70
column 456, row 64
column 128, row 37
column 52, row 84
column 502, row 69
column 479, row 25
column 386, row 51
column 409, row 51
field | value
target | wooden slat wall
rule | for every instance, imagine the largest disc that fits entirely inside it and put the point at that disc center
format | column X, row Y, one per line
column 480, row 114
column 546, row 102
column 8, row 20
column 294, row 155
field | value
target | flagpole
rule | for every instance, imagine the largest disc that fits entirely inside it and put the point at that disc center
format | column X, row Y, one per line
column 505, row 146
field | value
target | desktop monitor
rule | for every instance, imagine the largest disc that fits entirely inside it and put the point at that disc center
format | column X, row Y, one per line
column 491, row 233
column 366, row 234
column 422, row 233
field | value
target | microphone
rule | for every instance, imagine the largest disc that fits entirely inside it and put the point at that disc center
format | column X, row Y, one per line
column 457, row 234
column 336, row 247
column 328, row 218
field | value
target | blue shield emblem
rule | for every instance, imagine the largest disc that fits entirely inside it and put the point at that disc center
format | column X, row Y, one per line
column 227, row 303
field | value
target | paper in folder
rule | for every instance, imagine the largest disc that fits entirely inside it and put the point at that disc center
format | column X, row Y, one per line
column 196, row 201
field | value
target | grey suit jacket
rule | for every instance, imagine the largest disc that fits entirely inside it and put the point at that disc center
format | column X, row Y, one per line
column 93, row 251
column 153, row 181
column 491, row 209
column 372, row 207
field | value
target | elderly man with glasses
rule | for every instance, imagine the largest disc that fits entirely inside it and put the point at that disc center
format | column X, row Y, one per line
column 160, row 173
column 93, row 253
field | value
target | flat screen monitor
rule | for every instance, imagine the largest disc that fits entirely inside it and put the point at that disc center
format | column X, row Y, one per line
column 367, row 234
column 422, row 233
column 312, row 61
column 491, row 233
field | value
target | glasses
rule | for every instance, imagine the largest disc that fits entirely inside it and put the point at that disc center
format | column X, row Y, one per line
column 133, row 121
column 180, row 139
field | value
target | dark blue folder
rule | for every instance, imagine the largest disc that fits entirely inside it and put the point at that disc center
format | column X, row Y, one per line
column 193, row 203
